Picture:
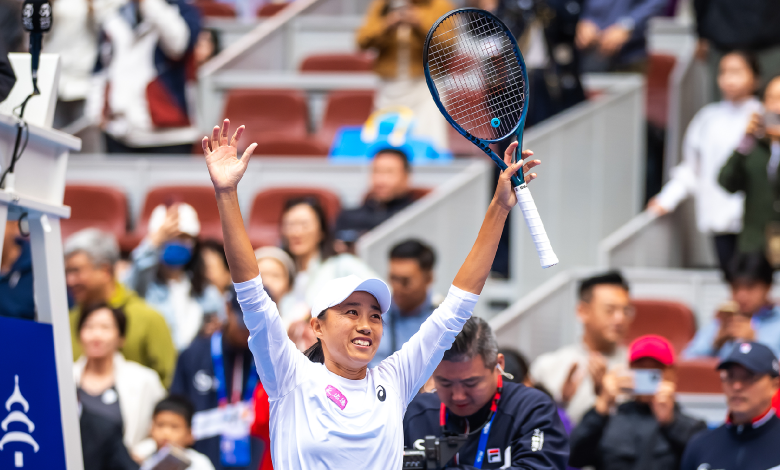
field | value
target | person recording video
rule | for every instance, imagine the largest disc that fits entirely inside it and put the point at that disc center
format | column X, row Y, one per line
column 648, row 430
column 328, row 410
column 508, row 424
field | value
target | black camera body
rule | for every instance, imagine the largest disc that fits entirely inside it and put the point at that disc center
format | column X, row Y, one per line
column 438, row 452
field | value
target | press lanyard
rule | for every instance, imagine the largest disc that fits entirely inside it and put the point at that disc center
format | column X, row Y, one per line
column 238, row 373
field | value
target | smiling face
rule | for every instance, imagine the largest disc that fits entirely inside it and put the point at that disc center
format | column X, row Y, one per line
column 99, row 335
column 351, row 331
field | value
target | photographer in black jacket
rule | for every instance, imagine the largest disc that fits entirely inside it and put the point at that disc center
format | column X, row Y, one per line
column 521, row 425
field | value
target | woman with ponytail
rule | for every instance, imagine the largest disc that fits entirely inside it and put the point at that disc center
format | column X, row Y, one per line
column 328, row 410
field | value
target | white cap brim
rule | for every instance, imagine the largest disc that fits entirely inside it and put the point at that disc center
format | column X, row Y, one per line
column 336, row 291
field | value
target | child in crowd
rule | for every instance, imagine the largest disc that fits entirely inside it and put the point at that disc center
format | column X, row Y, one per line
column 172, row 426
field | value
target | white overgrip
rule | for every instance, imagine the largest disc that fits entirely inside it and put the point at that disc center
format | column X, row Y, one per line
column 535, row 226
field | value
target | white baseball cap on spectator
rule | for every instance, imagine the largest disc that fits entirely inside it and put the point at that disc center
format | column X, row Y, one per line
column 337, row 290
column 188, row 219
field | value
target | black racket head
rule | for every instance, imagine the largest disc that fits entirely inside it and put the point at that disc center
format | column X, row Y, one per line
column 476, row 74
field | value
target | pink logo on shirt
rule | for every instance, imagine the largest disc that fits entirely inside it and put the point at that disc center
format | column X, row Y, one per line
column 336, row 396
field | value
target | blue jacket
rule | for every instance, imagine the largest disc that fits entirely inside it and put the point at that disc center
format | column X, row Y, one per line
column 605, row 13
column 766, row 324
column 400, row 329
column 526, row 426
column 732, row 447
column 16, row 286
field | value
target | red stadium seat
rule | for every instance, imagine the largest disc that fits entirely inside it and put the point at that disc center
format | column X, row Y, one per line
column 419, row 193
column 266, row 212
column 460, row 146
column 201, row 198
column 282, row 146
column 672, row 320
column 659, row 70
column 267, row 113
column 95, row 206
column 345, row 108
column 698, row 376
column 337, row 63
column 270, row 9
column 212, row 8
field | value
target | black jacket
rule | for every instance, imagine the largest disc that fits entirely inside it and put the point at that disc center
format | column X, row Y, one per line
column 729, row 447
column 738, row 24
column 526, row 425
column 7, row 77
column 631, row 439
column 369, row 215
column 101, row 444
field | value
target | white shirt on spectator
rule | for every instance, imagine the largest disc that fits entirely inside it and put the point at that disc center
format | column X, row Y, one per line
column 711, row 138
column 320, row 420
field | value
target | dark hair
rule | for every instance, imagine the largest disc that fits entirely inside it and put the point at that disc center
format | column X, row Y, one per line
column 476, row 339
column 750, row 267
column 750, row 59
column 416, row 250
column 177, row 404
column 398, row 153
column 326, row 244
column 217, row 248
column 611, row 278
column 118, row 313
column 516, row 364
column 195, row 270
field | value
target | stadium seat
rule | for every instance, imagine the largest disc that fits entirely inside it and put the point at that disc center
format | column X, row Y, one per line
column 337, row 63
column 672, row 320
column 267, row 113
column 459, row 145
column 345, row 108
column 270, row 9
column 282, row 146
column 659, row 70
column 266, row 212
column 211, row 8
column 201, row 198
column 95, row 206
column 419, row 193
column 698, row 376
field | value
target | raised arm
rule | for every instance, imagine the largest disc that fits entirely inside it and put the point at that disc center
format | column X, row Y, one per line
column 474, row 272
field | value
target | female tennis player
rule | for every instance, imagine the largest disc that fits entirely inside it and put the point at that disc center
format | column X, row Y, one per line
column 329, row 411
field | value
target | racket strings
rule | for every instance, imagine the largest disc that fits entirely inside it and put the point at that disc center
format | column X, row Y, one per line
column 475, row 70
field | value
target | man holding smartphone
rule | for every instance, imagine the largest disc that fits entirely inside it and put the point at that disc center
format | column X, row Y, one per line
column 648, row 429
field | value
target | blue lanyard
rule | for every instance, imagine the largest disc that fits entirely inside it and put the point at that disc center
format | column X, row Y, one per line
column 219, row 372
column 483, row 438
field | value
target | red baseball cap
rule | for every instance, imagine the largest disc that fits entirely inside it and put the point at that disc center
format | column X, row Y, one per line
column 653, row 346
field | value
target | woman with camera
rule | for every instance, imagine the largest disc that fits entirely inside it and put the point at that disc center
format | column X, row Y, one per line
column 328, row 410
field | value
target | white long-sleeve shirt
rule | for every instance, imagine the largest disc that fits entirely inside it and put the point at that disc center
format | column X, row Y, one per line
column 320, row 420
column 711, row 138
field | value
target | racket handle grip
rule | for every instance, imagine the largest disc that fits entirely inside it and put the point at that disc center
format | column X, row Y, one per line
column 535, row 226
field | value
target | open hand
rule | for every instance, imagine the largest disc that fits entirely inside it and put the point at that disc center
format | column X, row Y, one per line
column 505, row 195
column 224, row 166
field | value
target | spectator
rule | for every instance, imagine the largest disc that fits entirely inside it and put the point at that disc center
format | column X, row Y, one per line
column 724, row 25
column 748, row 439
column 90, row 256
column 753, row 169
column 169, row 272
column 411, row 276
column 172, row 427
column 101, row 443
column 7, row 76
column 389, row 194
column 711, row 137
column 16, row 275
column 123, row 391
column 573, row 373
column 206, row 374
column 649, row 431
column 522, row 423
column 612, row 34
column 278, row 271
column 757, row 318
column 151, row 45
column 305, row 236
column 396, row 30
column 215, row 266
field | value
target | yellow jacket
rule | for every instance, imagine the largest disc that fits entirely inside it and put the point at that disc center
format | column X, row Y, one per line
column 374, row 34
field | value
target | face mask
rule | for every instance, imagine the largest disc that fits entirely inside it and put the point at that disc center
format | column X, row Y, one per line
column 176, row 254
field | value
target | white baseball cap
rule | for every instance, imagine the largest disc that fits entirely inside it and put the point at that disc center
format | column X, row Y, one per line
column 188, row 219
column 337, row 290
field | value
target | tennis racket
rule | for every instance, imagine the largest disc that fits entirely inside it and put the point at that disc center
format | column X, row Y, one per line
column 476, row 75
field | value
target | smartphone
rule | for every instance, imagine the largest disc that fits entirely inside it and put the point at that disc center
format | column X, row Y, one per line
column 771, row 119
column 646, row 381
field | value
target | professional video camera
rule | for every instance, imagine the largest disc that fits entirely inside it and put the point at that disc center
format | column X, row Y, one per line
column 438, row 452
